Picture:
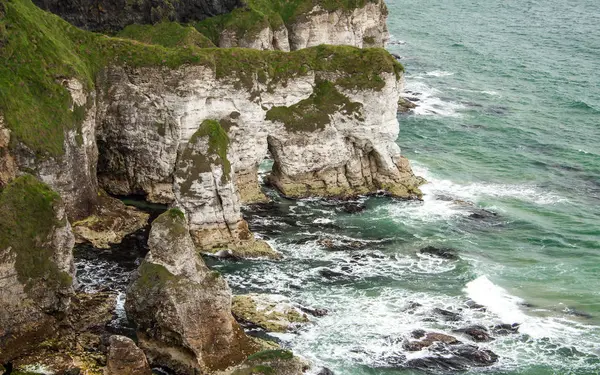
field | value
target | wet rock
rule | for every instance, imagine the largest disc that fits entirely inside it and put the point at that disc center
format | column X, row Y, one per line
column 476, row 333
column 444, row 253
column 36, row 265
column 340, row 244
column 474, row 305
column 429, row 339
column 271, row 361
column 325, row 371
column 505, row 329
column 453, row 358
column 314, row 312
column 354, row 207
column 330, row 274
column 418, row 333
column 577, row 313
column 272, row 313
column 110, row 222
column 447, row 315
column 182, row 309
column 405, row 104
column 226, row 254
column 125, row 358
column 483, row 214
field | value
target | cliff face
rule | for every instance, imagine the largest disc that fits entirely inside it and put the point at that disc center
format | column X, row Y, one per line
column 293, row 26
column 36, row 264
column 114, row 15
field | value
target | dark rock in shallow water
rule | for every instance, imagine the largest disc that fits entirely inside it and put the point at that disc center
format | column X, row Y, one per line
column 444, row 253
column 506, row 329
column 483, row 214
column 447, row 315
column 474, row 305
column 330, row 274
column 428, row 340
column 476, row 333
column 340, row 245
column 455, row 357
column 314, row 312
column 577, row 313
column 418, row 333
column 354, row 207
column 325, row 371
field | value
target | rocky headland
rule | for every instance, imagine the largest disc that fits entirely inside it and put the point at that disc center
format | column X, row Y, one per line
column 177, row 104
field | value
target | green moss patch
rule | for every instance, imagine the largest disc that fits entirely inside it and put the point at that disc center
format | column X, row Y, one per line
column 166, row 34
column 174, row 220
column 154, row 276
column 27, row 223
column 269, row 355
column 314, row 113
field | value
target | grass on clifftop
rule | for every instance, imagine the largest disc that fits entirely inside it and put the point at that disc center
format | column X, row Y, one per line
column 39, row 51
column 27, row 221
column 166, row 34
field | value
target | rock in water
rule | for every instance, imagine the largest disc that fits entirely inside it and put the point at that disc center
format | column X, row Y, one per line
column 36, row 264
column 182, row 309
column 125, row 358
column 476, row 333
column 270, row 312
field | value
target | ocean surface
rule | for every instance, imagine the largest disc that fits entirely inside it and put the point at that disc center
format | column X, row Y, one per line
column 507, row 133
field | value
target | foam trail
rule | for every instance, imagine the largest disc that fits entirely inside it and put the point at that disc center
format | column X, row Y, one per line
column 496, row 299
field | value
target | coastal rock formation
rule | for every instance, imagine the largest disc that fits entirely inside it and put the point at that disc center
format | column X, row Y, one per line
column 36, row 264
column 269, row 312
column 125, row 358
column 272, row 361
column 190, row 137
column 183, row 310
column 114, row 15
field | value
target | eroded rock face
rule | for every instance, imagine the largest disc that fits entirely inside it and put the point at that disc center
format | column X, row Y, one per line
column 269, row 312
column 266, row 39
column 73, row 174
column 114, row 15
column 125, row 358
column 8, row 168
column 181, row 308
column 360, row 27
column 36, row 264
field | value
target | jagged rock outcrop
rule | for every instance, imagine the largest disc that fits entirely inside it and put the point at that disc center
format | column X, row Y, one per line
column 182, row 309
column 36, row 264
column 272, row 361
column 270, row 312
column 8, row 167
column 125, row 358
column 114, row 15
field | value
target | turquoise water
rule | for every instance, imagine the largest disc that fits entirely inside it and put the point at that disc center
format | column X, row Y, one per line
column 507, row 133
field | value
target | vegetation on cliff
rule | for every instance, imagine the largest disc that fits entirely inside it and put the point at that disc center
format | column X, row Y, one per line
column 27, row 224
column 260, row 14
column 166, row 34
column 40, row 51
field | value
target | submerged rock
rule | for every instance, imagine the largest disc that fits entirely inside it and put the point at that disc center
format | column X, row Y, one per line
column 444, row 253
column 506, row 329
column 125, row 358
column 428, row 339
column 36, row 264
column 182, row 309
column 269, row 312
column 447, row 315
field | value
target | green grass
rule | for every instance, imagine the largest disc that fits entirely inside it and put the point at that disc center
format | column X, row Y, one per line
column 314, row 113
column 166, row 34
column 272, row 354
column 27, row 223
column 40, row 50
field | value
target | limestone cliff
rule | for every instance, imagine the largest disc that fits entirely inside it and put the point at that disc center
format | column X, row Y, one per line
column 296, row 25
column 183, row 310
column 36, row 264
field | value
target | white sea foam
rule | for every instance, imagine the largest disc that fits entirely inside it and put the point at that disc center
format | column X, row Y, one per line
column 429, row 102
column 475, row 191
column 496, row 299
column 439, row 73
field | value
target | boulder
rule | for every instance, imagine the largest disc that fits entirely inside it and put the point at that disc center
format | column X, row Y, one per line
column 476, row 333
column 182, row 309
column 269, row 312
column 125, row 358
column 36, row 264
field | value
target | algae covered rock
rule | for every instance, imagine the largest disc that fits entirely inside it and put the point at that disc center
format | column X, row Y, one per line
column 182, row 309
column 270, row 362
column 36, row 264
column 270, row 312
column 125, row 358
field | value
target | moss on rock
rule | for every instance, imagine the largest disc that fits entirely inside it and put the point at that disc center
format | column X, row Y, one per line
column 314, row 113
column 27, row 224
column 271, row 315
